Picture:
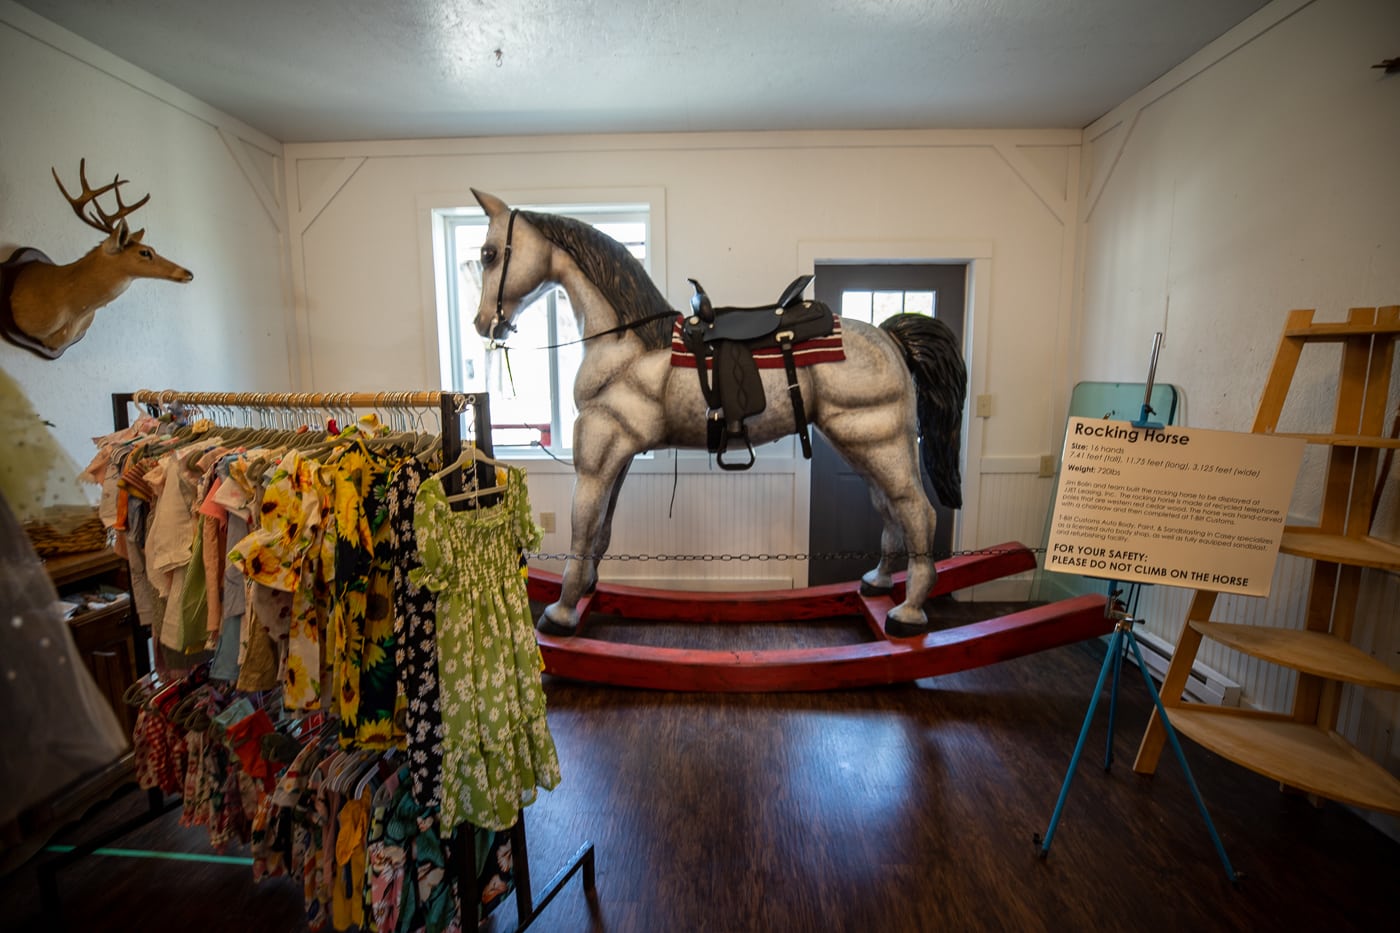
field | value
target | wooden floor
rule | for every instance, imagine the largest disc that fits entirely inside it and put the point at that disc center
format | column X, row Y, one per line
column 905, row 808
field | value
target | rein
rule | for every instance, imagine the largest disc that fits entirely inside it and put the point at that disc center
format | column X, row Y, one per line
column 619, row 329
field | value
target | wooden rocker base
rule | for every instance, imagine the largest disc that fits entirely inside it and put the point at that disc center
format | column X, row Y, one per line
column 884, row 660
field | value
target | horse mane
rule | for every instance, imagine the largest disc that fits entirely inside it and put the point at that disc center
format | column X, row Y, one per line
column 614, row 271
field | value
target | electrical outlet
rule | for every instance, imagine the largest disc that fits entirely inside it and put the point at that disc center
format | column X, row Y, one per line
column 1047, row 464
column 547, row 522
column 984, row 406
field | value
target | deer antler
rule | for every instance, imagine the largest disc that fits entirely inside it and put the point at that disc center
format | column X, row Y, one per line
column 98, row 219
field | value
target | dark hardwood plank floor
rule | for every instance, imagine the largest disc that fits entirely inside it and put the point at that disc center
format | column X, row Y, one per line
column 905, row 808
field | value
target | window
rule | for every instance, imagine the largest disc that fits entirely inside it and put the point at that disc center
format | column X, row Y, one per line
column 875, row 306
column 532, row 385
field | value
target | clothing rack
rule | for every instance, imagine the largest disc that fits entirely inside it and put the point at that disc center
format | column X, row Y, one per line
column 450, row 407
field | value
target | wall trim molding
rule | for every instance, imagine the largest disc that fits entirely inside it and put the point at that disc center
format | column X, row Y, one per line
column 1126, row 113
column 68, row 43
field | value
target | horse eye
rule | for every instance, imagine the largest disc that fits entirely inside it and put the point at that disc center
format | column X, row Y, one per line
column 488, row 255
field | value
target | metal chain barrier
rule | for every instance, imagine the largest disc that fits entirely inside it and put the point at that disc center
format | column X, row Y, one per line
column 745, row 558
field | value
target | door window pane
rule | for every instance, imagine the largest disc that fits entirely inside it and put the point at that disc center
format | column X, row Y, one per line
column 920, row 302
column 856, row 305
column 886, row 304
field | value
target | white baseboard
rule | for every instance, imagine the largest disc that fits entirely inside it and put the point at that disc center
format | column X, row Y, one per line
column 1204, row 685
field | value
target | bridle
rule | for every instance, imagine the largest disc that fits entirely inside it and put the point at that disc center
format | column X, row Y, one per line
column 500, row 327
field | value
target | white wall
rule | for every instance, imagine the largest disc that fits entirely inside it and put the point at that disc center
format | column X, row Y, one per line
column 744, row 213
column 1260, row 176
column 213, row 209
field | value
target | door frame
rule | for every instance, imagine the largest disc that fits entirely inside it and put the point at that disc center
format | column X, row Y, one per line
column 977, row 254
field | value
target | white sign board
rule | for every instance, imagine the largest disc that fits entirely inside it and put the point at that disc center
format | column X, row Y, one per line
column 1181, row 506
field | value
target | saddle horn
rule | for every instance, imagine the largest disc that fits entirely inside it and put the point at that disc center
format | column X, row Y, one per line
column 700, row 303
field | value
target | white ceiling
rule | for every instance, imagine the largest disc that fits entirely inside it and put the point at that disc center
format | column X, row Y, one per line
column 319, row 70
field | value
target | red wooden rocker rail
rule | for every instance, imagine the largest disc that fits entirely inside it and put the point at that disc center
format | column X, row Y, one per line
column 884, row 660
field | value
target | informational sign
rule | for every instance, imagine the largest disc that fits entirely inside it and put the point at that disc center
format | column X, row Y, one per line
column 1180, row 506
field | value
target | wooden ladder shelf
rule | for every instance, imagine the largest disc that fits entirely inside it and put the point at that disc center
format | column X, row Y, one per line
column 1301, row 749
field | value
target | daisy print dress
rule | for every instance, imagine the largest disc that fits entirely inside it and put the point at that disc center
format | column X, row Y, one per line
column 496, row 745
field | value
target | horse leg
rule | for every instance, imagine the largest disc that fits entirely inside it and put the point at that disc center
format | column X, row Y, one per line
column 605, row 533
column 892, row 470
column 600, row 462
column 880, row 581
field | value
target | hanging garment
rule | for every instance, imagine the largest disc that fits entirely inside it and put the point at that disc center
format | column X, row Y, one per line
column 362, row 614
column 385, row 861
column 292, row 550
column 415, row 617
column 347, row 898
column 496, row 743
column 409, row 888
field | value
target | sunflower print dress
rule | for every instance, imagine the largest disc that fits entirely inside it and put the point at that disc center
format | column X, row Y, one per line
column 361, row 629
column 496, row 746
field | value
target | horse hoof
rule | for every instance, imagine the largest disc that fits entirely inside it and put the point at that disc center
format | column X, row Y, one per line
column 897, row 629
column 872, row 589
column 548, row 626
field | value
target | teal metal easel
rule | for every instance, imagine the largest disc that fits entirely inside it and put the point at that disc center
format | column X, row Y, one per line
column 1121, row 642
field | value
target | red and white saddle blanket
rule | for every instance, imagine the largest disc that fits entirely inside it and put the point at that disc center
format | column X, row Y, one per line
column 819, row 350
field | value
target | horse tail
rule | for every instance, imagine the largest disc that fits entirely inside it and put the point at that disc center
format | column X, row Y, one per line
column 931, row 352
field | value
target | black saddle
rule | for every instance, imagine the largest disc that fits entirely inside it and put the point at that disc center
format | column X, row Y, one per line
column 729, row 337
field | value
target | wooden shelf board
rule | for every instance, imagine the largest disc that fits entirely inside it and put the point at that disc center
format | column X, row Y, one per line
column 1344, row 440
column 70, row 567
column 1311, row 652
column 1339, row 331
column 1295, row 754
column 1356, row 551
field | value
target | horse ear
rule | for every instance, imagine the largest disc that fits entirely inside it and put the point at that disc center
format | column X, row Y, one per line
column 491, row 204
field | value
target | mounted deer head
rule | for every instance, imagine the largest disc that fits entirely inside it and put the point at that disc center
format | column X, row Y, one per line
column 50, row 307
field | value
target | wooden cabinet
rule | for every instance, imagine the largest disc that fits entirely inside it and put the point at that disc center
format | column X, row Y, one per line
column 107, row 637
column 1301, row 748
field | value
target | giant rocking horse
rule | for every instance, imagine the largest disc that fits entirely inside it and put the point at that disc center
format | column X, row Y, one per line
column 878, row 394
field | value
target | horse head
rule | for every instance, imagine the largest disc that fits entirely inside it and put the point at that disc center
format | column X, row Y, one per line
column 515, row 267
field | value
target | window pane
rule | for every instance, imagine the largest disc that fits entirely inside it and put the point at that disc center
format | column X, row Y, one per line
column 520, row 390
column 886, row 304
column 855, row 305
column 920, row 302
column 471, row 353
column 570, row 359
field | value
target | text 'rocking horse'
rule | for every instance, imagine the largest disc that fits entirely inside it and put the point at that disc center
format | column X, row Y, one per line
column 898, row 383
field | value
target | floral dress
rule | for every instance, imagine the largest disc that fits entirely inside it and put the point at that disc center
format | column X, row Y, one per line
column 292, row 551
column 361, row 632
column 496, row 743
column 415, row 618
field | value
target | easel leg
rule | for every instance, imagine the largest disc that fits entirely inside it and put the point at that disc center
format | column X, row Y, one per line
column 1118, row 646
column 1115, row 646
column 1181, row 757
column 1113, row 704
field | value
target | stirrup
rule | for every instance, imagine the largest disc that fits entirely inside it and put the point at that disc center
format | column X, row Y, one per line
column 743, row 435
